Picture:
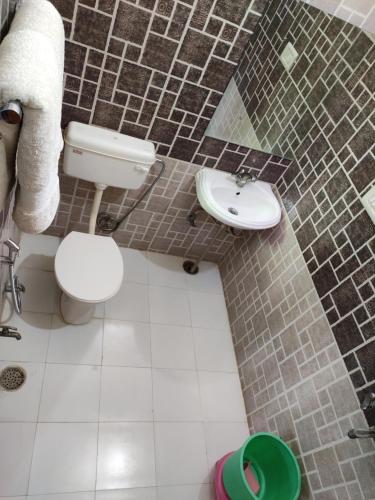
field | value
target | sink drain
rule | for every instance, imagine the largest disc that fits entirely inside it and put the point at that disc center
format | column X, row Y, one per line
column 12, row 378
column 232, row 211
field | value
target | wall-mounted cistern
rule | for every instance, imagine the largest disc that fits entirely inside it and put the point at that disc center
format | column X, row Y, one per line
column 367, row 404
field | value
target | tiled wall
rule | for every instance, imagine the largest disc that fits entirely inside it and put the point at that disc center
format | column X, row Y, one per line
column 333, row 55
column 326, row 108
column 160, row 222
column 360, row 13
column 156, row 70
column 294, row 379
column 153, row 69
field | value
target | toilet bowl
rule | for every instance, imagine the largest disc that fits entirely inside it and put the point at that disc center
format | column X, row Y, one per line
column 89, row 270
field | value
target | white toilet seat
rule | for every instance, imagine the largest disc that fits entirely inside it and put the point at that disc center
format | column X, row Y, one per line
column 89, row 268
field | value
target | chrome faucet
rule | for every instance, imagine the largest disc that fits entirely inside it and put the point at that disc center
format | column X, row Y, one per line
column 367, row 404
column 242, row 178
column 362, row 433
column 13, row 252
column 10, row 332
column 14, row 287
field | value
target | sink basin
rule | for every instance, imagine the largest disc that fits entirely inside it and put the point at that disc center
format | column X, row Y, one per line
column 253, row 206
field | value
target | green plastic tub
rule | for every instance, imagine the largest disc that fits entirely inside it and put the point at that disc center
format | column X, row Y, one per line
column 273, row 464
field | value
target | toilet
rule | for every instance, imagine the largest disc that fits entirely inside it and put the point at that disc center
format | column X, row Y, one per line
column 89, row 268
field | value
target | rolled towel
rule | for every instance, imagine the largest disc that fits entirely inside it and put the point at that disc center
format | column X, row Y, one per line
column 8, row 147
column 4, row 175
column 31, row 71
column 42, row 17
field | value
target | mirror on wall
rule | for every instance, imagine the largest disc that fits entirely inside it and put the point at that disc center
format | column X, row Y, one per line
column 232, row 122
column 282, row 78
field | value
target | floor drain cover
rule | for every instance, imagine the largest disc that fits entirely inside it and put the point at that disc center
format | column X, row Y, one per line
column 12, row 378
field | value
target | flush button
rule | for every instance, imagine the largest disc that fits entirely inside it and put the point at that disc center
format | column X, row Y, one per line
column 368, row 201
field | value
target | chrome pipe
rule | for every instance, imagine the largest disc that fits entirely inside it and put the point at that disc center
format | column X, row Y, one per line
column 362, row 433
column 15, row 288
column 11, row 112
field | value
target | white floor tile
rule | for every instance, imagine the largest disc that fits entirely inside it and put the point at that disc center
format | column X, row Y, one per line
column 41, row 290
column 126, row 394
column 37, row 251
column 221, row 395
column 166, row 270
column 66, row 463
column 176, row 395
column 86, row 495
column 135, row 265
column 208, row 280
column 180, row 454
column 208, row 311
column 12, row 498
column 23, row 405
column 15, row 457
column 128, row 494
column 222, row 438
column 172, row 347
column 70, row 393
column 76, row 344
column 126, row 343
column 64, row 458
column 99, row 310
column 130, row 304
column 169, row 306
column 214, row 350
column 187, row 492
column 125, row 456
column 35, row 330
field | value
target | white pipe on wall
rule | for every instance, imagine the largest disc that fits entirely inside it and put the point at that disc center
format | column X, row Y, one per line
column 95, row 206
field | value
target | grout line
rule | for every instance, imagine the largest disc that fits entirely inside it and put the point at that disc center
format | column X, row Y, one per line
column 153, row 418
column 99, row 407
column 39, row 405
column 109, row 365
column 105, row 52
column 124, row 421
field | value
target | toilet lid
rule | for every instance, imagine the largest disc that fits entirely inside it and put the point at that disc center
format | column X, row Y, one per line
column 88, row 267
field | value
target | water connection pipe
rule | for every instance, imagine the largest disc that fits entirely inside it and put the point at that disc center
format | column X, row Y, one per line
column 96, row 205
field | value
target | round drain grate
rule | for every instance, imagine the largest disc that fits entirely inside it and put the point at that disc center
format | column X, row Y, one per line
column 12, row 378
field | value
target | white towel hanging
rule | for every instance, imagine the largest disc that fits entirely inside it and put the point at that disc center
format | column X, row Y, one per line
column 31, row 71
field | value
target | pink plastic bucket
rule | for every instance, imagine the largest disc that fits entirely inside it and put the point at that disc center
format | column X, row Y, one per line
column 221, row 494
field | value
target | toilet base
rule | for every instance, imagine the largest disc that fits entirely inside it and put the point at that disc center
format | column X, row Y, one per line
column 75, row 312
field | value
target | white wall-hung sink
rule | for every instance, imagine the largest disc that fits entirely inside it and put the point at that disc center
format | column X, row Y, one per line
column 253, row 206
